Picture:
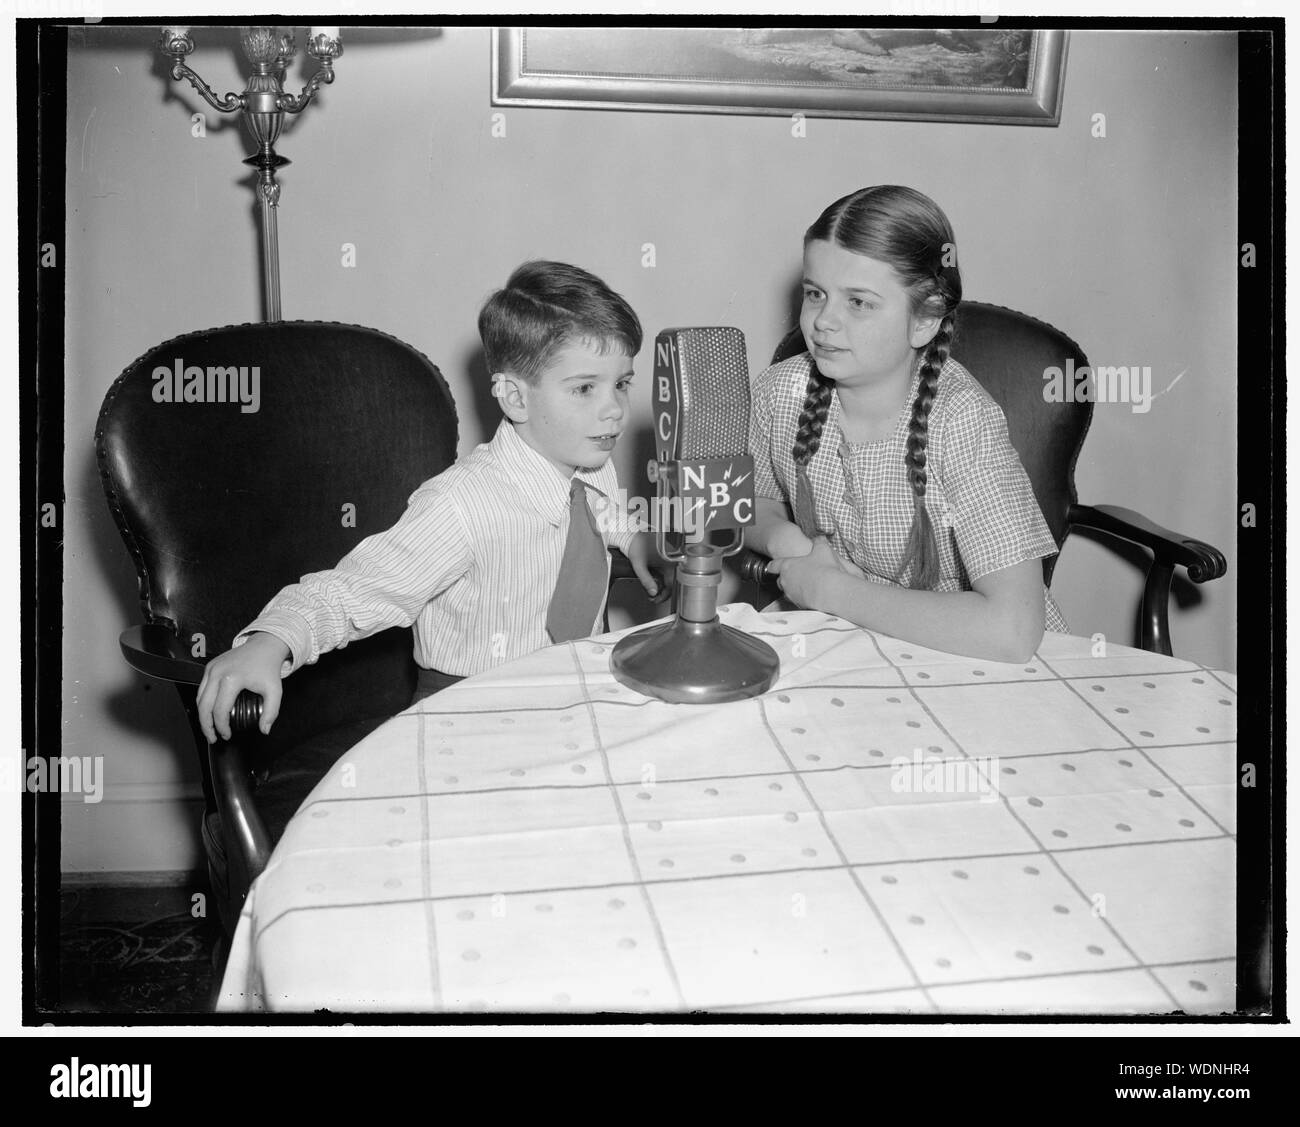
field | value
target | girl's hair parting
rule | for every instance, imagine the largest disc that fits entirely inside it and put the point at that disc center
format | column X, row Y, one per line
column 907, row 231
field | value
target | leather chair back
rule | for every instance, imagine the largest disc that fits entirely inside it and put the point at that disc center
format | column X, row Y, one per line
column 221, row 505
column 1008, row 353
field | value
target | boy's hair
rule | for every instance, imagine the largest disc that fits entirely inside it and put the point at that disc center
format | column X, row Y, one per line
column 909, row 232
column 543, row 307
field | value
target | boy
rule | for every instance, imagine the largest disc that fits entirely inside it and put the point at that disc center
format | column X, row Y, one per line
column 475, row 562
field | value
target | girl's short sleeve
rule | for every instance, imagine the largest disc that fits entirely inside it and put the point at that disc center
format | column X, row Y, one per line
column 994, row 516
column 760, row 437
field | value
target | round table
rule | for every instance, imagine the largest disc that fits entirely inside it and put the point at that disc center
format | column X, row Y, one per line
column 889, row 829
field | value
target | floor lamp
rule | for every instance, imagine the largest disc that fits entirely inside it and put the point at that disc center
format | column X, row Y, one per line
column 264, row 102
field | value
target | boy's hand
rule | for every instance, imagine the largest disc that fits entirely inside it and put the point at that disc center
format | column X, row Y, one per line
column 254, row 666
column 641, row 554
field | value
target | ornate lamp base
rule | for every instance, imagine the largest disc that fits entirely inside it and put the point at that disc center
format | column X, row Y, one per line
column 695, row 663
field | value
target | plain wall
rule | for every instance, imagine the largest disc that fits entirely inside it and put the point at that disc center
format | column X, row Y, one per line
column 1127, row 242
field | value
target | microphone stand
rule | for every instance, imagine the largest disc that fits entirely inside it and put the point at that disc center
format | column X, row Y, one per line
column 695, row 659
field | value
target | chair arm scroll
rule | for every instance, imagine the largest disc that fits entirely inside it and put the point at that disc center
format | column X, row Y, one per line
column 1203, row 561
column 1169, row 550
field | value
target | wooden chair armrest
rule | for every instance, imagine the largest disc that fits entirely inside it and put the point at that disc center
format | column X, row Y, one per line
column 1203, row 561
column 248, row 843
column 1169, row 550
column 156, row 652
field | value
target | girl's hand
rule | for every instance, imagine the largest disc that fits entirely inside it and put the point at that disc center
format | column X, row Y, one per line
column 787, row 540
column 802, row 578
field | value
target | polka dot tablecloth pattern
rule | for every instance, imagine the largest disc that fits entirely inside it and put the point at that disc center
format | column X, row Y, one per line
column 889, row 830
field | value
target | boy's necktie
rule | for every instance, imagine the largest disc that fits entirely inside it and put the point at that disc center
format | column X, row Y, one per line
column 583, row 573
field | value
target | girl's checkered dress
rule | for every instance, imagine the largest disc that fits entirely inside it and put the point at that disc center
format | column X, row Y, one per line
column 978, row 494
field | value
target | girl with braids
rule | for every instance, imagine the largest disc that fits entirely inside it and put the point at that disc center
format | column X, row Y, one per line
column 888, row 491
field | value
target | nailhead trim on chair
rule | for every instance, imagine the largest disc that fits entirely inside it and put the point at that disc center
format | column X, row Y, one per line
column 110, row 488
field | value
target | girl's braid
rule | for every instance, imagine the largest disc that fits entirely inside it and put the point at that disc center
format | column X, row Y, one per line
column 808, row 437
column 922, row 552
column 816, row 407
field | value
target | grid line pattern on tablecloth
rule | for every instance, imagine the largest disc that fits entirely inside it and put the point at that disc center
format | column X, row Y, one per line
column 844, row 860
column 1215, row 674
column 1095, row 971
column 885, row 766
column 411, row 717
column 819, row 687
column 814, row 998
column 1013, row 812
column 426, row 877
column 633, row 859
column 1142, row 751
column 1051, row 856
column 1023, row 855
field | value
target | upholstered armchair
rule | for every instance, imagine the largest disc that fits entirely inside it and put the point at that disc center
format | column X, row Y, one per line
column 226, row 492
column 1008, row 353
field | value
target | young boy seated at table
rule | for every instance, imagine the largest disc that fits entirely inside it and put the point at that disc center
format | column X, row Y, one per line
column 500, row 554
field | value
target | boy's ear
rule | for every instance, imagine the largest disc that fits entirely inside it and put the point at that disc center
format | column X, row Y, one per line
column 512, row 393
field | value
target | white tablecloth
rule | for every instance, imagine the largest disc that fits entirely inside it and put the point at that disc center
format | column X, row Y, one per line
column 543, row 839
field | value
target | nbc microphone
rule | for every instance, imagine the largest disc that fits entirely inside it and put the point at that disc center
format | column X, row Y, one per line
column 704, row 481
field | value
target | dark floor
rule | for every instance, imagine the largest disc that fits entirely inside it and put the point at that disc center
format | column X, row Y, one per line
column 133, row 949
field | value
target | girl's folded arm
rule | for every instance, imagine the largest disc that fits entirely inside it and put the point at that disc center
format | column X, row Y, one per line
column 1000, row 620
column 773, row 533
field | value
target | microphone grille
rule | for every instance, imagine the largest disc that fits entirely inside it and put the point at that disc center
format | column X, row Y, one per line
column 715, row 392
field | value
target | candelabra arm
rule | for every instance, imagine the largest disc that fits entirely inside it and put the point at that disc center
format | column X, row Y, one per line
column 228, row 103
column 323, row 77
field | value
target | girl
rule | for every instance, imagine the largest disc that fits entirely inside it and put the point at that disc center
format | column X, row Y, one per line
column 912, row 514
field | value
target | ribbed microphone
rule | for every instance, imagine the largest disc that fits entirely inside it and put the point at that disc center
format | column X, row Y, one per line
column 704, row 476
column 701, row 393
column 703, row 471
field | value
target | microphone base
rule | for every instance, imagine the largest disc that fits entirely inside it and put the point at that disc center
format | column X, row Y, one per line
column 695, row 663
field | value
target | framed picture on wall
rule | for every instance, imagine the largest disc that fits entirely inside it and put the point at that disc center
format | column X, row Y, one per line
column 993, row 75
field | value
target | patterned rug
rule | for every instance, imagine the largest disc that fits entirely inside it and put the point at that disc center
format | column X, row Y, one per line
column 132, row 950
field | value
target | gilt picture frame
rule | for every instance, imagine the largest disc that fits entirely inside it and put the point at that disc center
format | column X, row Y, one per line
column 993, row 75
